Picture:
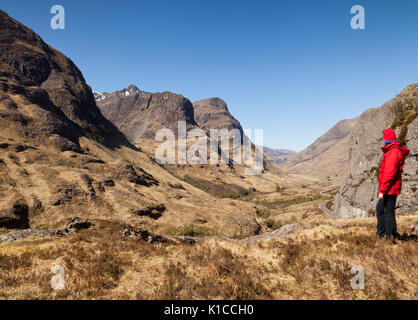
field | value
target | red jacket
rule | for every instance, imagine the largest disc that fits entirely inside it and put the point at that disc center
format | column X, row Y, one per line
column 390, row 175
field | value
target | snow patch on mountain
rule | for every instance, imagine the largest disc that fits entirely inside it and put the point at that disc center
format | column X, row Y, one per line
column 99, row 95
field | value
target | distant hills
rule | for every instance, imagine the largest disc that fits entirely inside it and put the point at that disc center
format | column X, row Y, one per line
column 139, row 115
column 326, row 156
column 278, row 156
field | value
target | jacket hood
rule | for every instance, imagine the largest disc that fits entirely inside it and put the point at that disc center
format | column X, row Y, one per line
column 405, row 151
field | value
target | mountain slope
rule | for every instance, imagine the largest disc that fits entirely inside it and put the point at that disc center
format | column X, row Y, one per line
column 63, row 105
column 327, row 156
column 59, row 157
column 358, row 196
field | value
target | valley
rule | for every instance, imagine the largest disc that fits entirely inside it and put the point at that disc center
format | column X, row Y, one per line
column 81, row 188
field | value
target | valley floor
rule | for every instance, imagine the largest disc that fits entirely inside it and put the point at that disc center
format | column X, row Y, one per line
column 313, row 263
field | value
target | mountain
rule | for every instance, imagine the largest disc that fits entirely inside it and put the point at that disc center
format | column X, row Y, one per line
column 278, row 156
column 60, row 157
column 327, row 156
column 358, row 196
column 57, row 103
column 140, row 114
column 213, row 113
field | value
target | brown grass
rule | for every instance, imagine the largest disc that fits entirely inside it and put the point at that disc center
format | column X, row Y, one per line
column 315, row 264
column 220, row 189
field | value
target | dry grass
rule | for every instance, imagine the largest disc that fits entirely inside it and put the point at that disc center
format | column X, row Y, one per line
column 314, row 264
column 220, row 189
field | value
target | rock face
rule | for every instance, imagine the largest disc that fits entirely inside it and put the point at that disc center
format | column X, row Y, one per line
column 213, row 113
column 58, row 104
column 327, row 156
column 140, row 114
column 153, row 212
column 358, row 196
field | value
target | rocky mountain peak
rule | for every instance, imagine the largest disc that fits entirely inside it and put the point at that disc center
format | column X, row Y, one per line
column 212, row 113
column 216, row 103
column 130, row 91
column 139, row 114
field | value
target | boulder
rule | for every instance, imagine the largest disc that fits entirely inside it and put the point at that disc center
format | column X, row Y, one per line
column 77, row 224
column 154, row 211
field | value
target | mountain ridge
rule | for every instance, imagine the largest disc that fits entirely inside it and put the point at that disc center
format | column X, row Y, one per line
column 326, row 156
column 42, row 75
column 60, row 156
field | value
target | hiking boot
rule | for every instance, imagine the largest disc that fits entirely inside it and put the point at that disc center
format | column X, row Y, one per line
column 391, row 239
column 380, row 236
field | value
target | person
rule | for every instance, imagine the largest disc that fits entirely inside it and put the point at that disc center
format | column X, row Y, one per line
column 390, row 184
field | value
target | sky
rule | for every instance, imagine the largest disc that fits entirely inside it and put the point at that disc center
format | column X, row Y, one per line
column 292, row 68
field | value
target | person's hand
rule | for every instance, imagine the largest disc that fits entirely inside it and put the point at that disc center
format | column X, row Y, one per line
column 380, row 195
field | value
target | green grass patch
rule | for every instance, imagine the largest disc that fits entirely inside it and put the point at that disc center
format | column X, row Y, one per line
column 190, row 231
column 281, row 204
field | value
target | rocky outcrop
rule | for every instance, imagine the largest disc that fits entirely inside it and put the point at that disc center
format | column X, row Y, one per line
column 144, row 235
column 76, row 224
column 65, row 193
column 154, row 211
column 138, row 176
column 29, row 233
column 358, row 196
column 247, row 222
column 89, row 185
column 287, row 231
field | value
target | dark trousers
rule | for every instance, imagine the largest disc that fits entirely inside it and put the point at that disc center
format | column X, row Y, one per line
column 385, row 213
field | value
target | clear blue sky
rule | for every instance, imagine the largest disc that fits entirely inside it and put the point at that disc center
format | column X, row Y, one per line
column 292, row 68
